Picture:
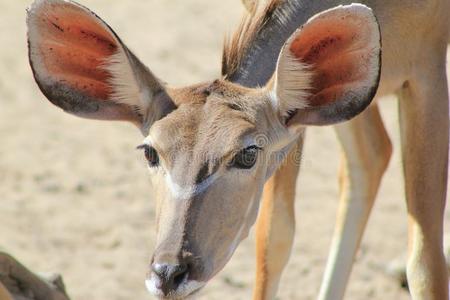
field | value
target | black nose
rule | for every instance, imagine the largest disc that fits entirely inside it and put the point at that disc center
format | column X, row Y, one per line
column 169, row 276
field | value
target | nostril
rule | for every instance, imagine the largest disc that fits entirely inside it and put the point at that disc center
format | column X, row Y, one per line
column 170, row 276
column 179, row 275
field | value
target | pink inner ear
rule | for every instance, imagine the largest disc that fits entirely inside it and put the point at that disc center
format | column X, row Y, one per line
column 338, row 53
column 73, row 45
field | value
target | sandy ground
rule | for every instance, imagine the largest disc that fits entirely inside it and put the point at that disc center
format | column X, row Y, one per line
column 74, row 193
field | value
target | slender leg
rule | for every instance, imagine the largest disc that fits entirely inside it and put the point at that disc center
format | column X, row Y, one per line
column 366, row 153
column 275, row 226
column 424, row 130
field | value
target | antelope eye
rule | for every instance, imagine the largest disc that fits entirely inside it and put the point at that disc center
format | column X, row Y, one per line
column 150, row 155
column 246, row 158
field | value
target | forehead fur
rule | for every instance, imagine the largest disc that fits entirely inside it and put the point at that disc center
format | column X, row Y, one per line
column 214, row 112
column 211, row 122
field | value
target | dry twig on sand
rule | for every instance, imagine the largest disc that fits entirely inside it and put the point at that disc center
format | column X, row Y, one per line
column 19, row 283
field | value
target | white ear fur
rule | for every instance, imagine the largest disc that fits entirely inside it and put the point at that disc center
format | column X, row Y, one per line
column 292, row 82
column 126, row 87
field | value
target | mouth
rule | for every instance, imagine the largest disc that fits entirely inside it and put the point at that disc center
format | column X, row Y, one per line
column 185, row 290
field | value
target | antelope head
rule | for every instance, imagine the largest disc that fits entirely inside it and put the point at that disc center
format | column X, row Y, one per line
column 210, row 147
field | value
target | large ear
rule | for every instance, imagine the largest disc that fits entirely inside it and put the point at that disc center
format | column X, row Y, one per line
column 82, row 66
column 329, row 69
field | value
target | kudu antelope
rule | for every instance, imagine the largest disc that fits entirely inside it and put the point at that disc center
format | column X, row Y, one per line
column 291, row 64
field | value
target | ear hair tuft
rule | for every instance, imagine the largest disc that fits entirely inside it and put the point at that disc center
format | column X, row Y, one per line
column 123, row 81
column 293, row 83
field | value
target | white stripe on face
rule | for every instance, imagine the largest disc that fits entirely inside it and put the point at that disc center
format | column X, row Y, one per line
column 189, row 191
column 179, row 191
